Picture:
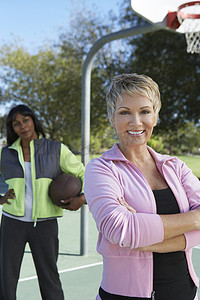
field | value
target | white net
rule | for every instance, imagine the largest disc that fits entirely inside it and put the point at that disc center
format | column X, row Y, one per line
column 191, row 26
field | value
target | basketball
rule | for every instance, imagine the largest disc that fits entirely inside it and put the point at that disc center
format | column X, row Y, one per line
column 63, row 187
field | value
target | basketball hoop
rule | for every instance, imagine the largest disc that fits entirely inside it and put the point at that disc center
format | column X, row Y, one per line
column 188, row 15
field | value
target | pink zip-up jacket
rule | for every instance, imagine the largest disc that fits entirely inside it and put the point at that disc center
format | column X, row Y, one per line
column 126, row 270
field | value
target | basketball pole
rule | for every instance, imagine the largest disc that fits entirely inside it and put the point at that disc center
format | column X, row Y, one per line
column 85, row 108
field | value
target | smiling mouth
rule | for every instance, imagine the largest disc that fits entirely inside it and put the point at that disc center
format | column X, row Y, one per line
column 136, row 133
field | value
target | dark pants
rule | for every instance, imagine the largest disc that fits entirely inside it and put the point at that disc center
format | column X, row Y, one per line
column 43, row 242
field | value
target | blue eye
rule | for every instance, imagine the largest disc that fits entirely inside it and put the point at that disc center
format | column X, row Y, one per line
column 145, row 112
column 124, row 112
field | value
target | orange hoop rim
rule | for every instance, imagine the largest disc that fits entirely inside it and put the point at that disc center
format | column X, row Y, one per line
column 183, row 15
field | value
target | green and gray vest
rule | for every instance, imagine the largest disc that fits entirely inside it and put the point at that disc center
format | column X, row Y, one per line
column 48, row 160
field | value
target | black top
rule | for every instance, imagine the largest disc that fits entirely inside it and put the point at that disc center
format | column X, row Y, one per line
column 171, row 278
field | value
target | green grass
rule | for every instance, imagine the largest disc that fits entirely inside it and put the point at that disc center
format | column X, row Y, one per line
column 193, row 162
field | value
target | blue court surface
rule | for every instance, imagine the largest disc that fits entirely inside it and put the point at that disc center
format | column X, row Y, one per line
column 80, row 275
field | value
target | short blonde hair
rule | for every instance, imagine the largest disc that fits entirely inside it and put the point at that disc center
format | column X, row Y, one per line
column 132, row 84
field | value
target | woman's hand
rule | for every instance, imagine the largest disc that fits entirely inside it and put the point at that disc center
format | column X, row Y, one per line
column 9, row 195
column 123, row 202
column 73, row 203
column 196, row 215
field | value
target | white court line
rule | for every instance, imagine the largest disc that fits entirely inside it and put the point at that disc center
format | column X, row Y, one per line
column 65, row 271
column 197, row 247
column 74, row 269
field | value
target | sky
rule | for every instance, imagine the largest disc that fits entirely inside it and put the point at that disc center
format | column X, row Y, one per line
column 35, row 21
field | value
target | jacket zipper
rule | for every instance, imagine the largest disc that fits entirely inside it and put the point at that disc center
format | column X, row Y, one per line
column 153, row 295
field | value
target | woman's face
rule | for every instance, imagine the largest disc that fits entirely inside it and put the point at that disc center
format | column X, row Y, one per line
column 133, row 120
column 24, row 127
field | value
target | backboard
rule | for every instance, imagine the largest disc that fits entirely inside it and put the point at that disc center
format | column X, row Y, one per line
column 156, row 11
column 174, row 15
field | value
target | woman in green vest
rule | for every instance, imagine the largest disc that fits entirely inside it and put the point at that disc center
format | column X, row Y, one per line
column 28, row 164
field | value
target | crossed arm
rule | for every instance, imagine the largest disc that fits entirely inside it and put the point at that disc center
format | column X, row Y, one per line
column 174, row 228
column 177, row 243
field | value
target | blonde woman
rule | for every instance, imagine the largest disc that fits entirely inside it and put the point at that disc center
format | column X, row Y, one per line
column 146, row 205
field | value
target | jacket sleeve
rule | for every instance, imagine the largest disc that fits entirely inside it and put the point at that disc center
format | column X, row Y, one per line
column 114, row 221
column 191, row 185
column 70, row 164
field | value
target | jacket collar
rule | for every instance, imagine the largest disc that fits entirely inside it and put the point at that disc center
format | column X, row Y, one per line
column 115, row 154
column 17, row 143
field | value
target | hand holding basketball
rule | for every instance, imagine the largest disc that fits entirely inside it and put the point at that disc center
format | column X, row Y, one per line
column 73, row 203
column 64, row 187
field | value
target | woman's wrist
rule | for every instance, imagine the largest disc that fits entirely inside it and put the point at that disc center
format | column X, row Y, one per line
column 181, row 223
column 195, row 213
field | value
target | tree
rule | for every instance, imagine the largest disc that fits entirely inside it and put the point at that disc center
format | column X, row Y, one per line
column 178, row 81
column 49, row 84
column 162, row 55
column 86, row 28
column 50, row 81
column 2, row 127
column 185, row 140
